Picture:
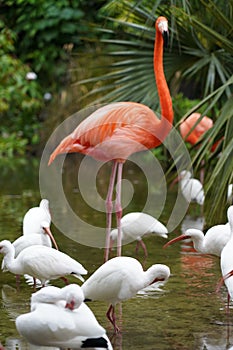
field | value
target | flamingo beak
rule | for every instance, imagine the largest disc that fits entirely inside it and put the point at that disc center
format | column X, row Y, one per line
column 165, row 38
column 49, row 233
column 176, row 239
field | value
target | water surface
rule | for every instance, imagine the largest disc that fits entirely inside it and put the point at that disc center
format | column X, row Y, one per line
column 185, row 313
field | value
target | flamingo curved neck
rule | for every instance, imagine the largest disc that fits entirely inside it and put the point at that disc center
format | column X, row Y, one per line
column 162, row 88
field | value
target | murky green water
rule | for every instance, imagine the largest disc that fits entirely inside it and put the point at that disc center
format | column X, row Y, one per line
column 185, row 313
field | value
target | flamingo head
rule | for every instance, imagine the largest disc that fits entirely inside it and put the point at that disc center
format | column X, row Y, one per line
column 162, row 26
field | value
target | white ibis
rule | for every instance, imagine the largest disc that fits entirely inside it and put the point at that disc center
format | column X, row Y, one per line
column 59, row 318
column 119, row 279
column 212, row 242
column 135, row 225
column 226, row 261
column 230, row 194
column 40, row 262
column 46, row 238
column 36, row 230
column 35, row 216
column 191, row 188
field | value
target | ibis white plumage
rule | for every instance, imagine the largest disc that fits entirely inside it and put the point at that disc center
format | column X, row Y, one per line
column 226, row 261
column 40, row 262
column 119, row 279
column 135, row 225
column 60, row 318
column 191, row 188
column 35, row 216
column 212, row 242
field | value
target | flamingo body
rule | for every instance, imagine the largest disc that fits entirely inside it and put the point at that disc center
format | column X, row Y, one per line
column 191, row 189
column 40, row 262
column 194, row 127
column 114, row 131
column 135, row 225
column 120, row 279
column 117, row 130
column 59, row 318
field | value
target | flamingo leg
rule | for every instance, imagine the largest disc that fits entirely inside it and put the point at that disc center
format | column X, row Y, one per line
column 112, row 318
column 109, row 207
column 119, row 208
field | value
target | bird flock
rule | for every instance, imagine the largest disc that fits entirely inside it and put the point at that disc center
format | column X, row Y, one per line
column 60, row 317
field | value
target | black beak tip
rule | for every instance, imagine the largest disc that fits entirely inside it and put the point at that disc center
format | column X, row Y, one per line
column 165, row 38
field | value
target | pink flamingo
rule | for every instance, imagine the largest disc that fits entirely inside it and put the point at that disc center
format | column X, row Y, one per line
column 117, row 130
column 194, row 127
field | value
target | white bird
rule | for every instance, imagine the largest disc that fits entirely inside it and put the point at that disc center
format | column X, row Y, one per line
column 226, row 261
column 40, row 262
column 191, row 189
column 59, row 318
column 212, row 242
column 120, row 279
column 35, row 216
column 230, row 194
column 135, row 225
column 46, row 238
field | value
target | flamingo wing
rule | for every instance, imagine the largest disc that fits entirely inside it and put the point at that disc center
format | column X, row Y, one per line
column 112, row 132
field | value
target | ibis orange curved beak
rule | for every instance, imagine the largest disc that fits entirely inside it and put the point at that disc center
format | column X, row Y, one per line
column 49, row 233
column 176, row 239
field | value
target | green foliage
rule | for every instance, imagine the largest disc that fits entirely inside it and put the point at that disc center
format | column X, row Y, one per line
column 39, row 34
column 20, row 100
column 47, row 31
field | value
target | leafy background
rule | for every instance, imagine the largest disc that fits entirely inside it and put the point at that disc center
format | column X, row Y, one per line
column 116, row 38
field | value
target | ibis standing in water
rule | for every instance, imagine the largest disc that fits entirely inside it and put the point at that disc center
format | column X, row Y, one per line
column 135, row 225
column 40, row 262
column 212, row 242
column 119, row 279
column 191, row 188
column 226, row 261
